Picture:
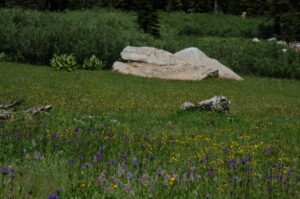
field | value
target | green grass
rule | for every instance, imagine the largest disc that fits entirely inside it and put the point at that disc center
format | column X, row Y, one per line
column 265, row 112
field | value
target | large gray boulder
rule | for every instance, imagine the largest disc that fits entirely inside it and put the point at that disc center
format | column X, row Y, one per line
column 188, row 64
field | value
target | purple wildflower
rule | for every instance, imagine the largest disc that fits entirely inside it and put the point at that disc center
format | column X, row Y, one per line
column 128, row 190
column 270, row 188
column 5, row 171
column 234, row 166
column 109, row 163
column 134, row 162
column 143, row 146
column 70, row 161
column 52, row 196
column 87, row 165
column 152, row 157
column 122, row 156
column 129, row 175
column 160, row 172
column 144, row 179
column 29, row 192
column 58, row 191
column 101, row 179
column 99, row 156
column 101, row 148
column 12, row 175
column 268, row 149
column 121, row 170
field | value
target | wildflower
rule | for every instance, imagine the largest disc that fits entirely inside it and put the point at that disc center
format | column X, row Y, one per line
column 101, row 179
column 37, row 155
column 159, row 172
column 83, row 185
column 12, row 176
column 152, row 157
column 87, row 165
column 58, row 191
column 134, row 162
column 123, row 157
column 114, row 185
column 270, row 189
column 121, row 170
column 23, row 150
column 101, row 148
column 144, row 179
column 29, row 192
column 5, row 171
column 128, row 190
column 52, row 196
column 129, row 175
column 143, row 146
column 70, row 161
column 99, row 156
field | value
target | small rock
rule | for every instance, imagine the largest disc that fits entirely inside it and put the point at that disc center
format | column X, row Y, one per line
column 272, row 39
column 170, row 124
column 116, row 122
column 281, row 43
column 255, row 40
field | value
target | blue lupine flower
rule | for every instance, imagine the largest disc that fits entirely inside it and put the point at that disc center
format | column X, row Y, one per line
column 52, row 196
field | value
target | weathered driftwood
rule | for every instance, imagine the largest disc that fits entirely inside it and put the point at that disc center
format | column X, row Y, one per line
column 217, row 103
column 6, row 115
column 16, row 103
column 36, row 110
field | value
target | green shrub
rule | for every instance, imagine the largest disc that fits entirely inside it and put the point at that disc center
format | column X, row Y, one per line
column 93, row 63
column 3, row 57
column 34, row 37
column 64, row 62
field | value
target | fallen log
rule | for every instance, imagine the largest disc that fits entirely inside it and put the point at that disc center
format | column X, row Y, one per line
column 36, row 110
column 16, row 103
column 217, row 103
column 6, row 115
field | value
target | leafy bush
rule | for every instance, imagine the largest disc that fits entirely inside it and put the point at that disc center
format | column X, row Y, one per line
column 3, row 57
column 93, row 63
column 64, row 62
column 34, row 37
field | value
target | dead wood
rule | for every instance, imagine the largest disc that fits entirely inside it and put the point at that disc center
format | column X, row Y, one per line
column 6, row 115
column 16, row 103
column 217, row 103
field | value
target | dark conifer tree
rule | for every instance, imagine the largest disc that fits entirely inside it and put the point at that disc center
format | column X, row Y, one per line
column 148, row 18
column 175, row 5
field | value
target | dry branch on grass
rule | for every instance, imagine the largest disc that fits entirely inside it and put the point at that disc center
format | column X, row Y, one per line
column 217, row 103
column 8, row 115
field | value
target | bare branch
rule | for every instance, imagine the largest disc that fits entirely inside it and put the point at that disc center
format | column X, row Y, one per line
column 217, row 103
column 16, row 103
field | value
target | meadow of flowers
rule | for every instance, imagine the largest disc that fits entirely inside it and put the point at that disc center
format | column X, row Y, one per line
column 113, row 136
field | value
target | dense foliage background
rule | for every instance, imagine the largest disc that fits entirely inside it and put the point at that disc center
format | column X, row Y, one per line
column 35, row 37
column 284, row 12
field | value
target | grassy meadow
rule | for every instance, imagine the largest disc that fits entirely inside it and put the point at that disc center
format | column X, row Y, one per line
column 111, row 136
